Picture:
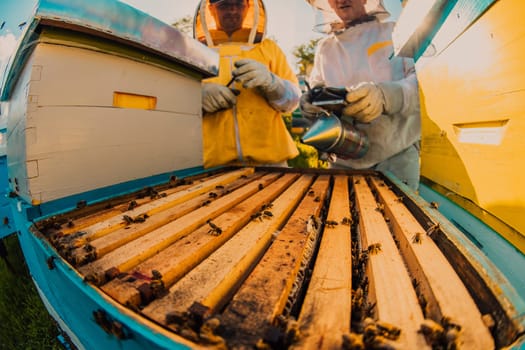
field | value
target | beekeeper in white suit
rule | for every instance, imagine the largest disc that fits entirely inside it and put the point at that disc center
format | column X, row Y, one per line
column 382, row 88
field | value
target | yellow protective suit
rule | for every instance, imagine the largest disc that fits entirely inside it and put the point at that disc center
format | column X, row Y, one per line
column 252, row 132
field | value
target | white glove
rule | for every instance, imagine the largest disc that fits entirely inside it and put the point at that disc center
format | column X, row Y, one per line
column 308, row 110
column 253, row 74
column 216, row 97
column 367, row 101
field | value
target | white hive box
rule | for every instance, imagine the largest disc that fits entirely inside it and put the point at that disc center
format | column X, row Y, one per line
column 87, row 111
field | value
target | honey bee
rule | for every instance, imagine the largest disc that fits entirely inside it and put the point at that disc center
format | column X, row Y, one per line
column 212, row 195
column 346, row 221
column 156, row 275
column 434, row 205
column 432, row 330
column 374, row 248
column 388, row 330
column 214, row 229
column 331, row 223
column 448, row 323
column 132, row 205
column 267, row 206
column 219, row 187
column 267, row 214
column 418, row 238
column 353, row 341
column 261, row 186
column 141, row 218
column 257, row 215
column 208, row 330
column 50, row 262
column 127, row 219
column 311, row 193
column 380, row 207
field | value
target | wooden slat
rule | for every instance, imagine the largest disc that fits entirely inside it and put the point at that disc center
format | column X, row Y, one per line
column 135, row 252
column 390, row 286
column 264, row 294
column 326, row 311
column 102, row 228
column 115, row 239
column 182, row 256
column 214, row 280
column 85, row 221
column 443, row 289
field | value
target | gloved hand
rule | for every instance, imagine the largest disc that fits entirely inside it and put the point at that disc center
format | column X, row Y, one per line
column 253, row 74
column 216, row 97
column 367, row 101
column 308, row 110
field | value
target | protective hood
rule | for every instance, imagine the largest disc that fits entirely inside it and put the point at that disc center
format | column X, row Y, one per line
column 207, row 30
column 327, row 21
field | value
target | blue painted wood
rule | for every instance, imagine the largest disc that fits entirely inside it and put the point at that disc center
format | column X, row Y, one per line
column 6, row 217
column 67, row 296
column 101, row 194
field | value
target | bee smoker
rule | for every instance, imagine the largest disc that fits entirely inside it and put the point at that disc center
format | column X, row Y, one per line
column 333, row 135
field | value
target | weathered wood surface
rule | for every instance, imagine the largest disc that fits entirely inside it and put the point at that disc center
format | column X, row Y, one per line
column 445, row 294
column 104, row 227
column 214, row 281
column 141, row 197
column 255, row 251
column 265, row 293
column 390, row 286
column 121, row 236
column 326, row 310
column 179, row 258
column 135, row 252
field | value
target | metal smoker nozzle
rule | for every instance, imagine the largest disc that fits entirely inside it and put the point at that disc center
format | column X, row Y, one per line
column 324, row 133
column 330, row 134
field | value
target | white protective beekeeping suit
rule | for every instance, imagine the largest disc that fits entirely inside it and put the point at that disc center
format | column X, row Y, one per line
column 363, row 52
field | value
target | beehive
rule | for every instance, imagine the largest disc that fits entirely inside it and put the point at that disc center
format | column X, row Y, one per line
column 249, row 257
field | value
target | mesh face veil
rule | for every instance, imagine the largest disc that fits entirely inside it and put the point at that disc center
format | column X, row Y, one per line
column 208, row 30
column 327, row 21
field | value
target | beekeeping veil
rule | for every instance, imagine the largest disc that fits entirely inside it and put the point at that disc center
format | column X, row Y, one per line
column 207, row 30
column 327, row 21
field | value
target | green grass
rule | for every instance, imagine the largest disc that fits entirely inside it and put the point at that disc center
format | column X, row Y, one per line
column 25, row 323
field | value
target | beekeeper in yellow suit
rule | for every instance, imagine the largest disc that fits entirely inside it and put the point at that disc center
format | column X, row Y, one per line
column 242, row 122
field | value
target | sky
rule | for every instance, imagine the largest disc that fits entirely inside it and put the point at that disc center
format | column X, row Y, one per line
column 290, row 22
